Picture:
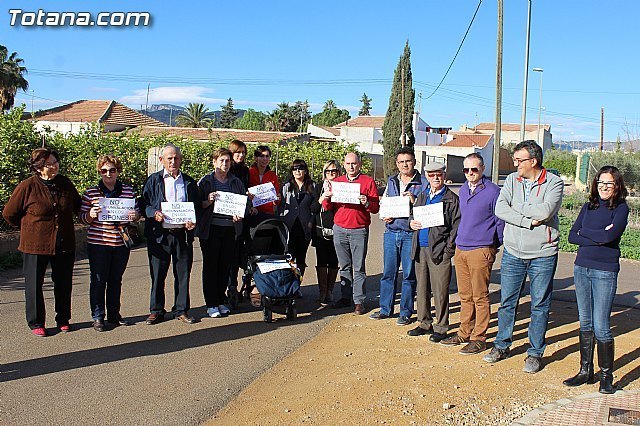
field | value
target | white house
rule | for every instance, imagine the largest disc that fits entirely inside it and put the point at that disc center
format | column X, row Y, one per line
column 510, row 133
column 70, row 118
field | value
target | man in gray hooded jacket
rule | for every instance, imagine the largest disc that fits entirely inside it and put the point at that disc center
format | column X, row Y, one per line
column 529, row 202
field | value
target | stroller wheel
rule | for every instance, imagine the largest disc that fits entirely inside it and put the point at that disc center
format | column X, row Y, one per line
column 291, row 312
column 267, row 314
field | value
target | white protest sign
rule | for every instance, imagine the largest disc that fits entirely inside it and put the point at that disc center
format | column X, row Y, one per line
column 430, row 215
column 391, row 207
column 230, row 204
column 263, row 194
column 345, row 192
column 178, row 213
column 115, row 209
column 272, row 265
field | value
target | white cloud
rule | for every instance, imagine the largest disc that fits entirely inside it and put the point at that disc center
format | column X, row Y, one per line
column 175, row 95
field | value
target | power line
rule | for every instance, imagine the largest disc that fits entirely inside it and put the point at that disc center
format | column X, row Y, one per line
column 458, row 51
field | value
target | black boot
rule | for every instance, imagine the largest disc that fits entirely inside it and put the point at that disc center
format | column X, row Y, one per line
column 585, row 375
column 605, row 361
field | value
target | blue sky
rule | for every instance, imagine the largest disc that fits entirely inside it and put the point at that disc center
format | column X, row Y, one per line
column 261, row 53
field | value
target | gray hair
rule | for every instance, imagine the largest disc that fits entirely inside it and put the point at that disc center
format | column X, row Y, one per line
column 170, row 146
column 476, row 156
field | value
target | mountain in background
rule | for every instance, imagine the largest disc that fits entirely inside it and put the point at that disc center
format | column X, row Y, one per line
column 169, row 112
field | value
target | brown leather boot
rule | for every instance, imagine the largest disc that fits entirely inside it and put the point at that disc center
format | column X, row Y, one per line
column 332, row 273
column 321, row 272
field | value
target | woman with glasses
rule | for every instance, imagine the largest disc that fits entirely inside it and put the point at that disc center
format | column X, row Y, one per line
column 322, row 236
column 297, row 195
column 108, row 255
column 597, row 231
column 260, row 173
column 42, row 206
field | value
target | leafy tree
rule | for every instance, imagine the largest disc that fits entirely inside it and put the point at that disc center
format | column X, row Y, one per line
column 330, row 115
column 392, row 128
column 301, row 115
column 228, row 115
column 366, row 105
column 11, row 77
column 195, row 115
column 251, row 120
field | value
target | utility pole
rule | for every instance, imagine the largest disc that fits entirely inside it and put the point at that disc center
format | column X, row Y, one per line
column 495, row 165
column 523, row 119
column 601, row 128
column 403, row 140
column 147, row 104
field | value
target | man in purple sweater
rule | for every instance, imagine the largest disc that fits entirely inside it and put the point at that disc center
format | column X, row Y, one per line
column 477, row 242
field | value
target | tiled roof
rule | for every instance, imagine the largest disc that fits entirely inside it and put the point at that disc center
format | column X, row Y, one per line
column 106, row 112
column 247, row 136
column 332, row 130
column 363, row 121
column 468, row 140
column 511, row 127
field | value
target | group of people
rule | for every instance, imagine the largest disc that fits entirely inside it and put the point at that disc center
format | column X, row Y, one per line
column 468, row 228
column 521, row 216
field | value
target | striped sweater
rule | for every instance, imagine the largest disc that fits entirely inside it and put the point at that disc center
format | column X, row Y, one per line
column 103, row 233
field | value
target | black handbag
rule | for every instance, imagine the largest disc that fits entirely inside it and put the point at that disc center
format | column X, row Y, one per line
column 130, row 235
column 327, row 233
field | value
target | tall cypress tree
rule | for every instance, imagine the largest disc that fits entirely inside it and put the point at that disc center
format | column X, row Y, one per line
column 392, row 127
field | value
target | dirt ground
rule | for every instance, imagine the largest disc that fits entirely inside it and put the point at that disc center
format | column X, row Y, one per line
column 358, row 370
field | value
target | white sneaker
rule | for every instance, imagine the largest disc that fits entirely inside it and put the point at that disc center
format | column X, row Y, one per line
column 224, row 310
column 214, row 312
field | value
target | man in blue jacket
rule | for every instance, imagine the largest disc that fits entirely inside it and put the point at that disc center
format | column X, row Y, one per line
column 166, row 242
column 398, row 238
column 477, row 242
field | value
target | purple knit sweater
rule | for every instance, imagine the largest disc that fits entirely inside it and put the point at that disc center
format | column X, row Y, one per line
column 479, row 226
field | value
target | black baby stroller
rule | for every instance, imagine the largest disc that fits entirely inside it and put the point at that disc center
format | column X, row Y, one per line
column 269, row 266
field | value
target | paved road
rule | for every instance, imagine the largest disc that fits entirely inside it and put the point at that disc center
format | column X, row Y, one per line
column 170, row 373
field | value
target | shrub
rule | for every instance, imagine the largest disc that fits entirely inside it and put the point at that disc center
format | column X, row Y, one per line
column 564, row 161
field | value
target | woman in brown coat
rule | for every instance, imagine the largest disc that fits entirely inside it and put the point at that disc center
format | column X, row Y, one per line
column 42, row 206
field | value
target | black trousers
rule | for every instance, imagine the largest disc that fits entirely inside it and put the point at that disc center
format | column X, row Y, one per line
column 34, row 267
column 173, row 248
column 298, row 245
column 107, row 265
column 218, row 253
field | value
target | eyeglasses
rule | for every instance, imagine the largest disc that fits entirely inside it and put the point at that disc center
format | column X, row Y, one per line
column 264, row 155
column 517, row 161
column 435, row 174
column 51, row 165
column 606, row 184
column 466, row 170
column 331, row 171
column 111, row 170
column 298, row 168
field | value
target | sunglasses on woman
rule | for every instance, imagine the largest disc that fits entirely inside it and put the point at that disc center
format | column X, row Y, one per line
column 326, row 172
column 111, row 170
column 298, row 168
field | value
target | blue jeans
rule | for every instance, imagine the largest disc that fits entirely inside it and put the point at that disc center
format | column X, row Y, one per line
column 397, row 249
column 514, row 273
column 595, row 290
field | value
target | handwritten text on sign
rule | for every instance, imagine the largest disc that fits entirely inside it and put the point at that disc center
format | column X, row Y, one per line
column 230, row 204
column 178, row 213
column 345, row 192
column 263, row 194
column 394, row 207
column 115, row 209
column 430, row 215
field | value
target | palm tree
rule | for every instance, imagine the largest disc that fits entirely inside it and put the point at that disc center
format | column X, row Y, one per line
column 195, row 115
column 11, row 77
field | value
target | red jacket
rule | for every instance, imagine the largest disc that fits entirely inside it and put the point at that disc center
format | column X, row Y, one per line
column 269, row 176
column 354, row 216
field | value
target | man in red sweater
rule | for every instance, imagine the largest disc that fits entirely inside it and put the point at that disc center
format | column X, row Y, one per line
column 351, row 232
